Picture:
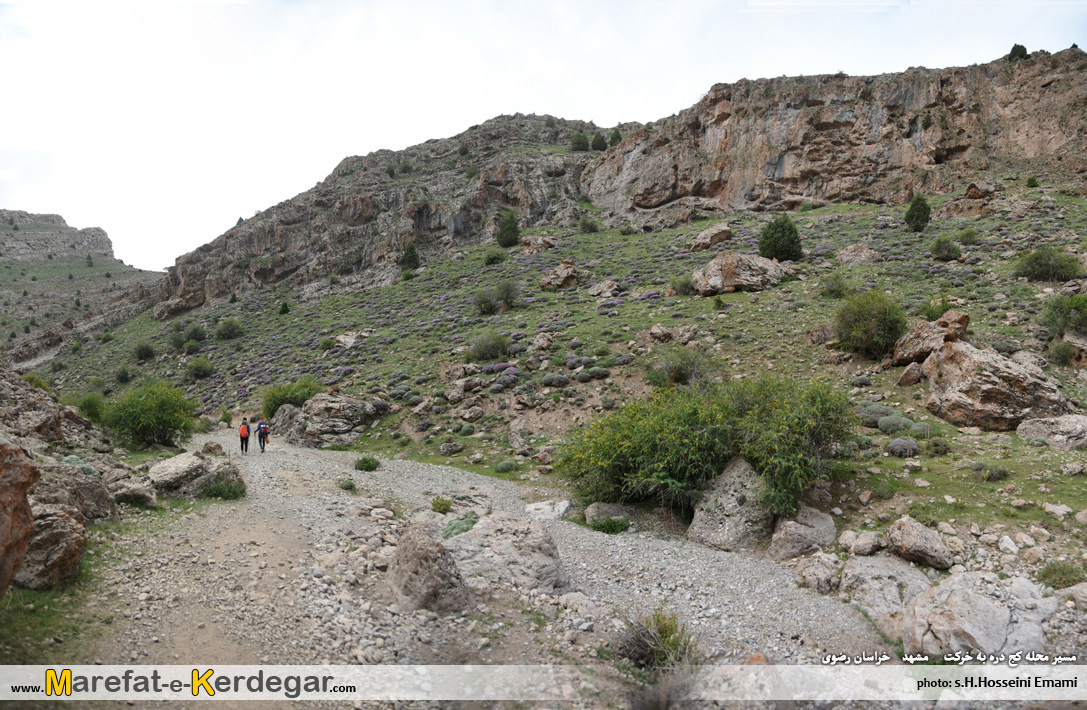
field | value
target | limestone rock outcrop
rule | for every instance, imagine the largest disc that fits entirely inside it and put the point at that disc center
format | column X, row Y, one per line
column 913, row 541
column 325, row 419
column 924, row 337
column 731, row 271
column 710, row 237
column 17, row 474
column 1065, row 433
column 857, row 254
column 883, row 585
column 189, row 475
column 424, row 575
column 809, row 531
column 56, row 546
column 502, row 547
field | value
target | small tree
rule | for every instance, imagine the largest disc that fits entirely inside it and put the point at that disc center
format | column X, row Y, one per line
column 943, row 249
column 410, row 258
column 154, row 413
column 508, row 232
column 580, row 142
column 144, row 351
column 1018, row 52
column 599, row 141
column 284, row 308
column 870, row 323
column 780, row 240
column 616, row 137
column 918, row 214
column 228, row 329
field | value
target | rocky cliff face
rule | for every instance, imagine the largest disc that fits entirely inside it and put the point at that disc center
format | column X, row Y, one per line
column 29, row 237
column 785, row 142
column 755, row 144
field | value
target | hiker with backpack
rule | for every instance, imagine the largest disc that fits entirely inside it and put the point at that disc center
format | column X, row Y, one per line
column 243, row 433
column 262, row 434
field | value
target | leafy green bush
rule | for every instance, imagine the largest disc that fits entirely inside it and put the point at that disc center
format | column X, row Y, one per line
column 176, row 339
column 296, row 393
column 1064, row 313
column 91, row 405
column 35, row 380
column 407, row 275
column 599, row 141
column 152, row 413
column 678, row 365
column 666, row 448
column 410, row 258
column 933, row 308
column 199, row 368
column 196, row 332
column 780, row 240
column 1062, row 352
column 492, row 345
column 191, row 347
column 918, row 214
column 366, row 463
column 441, row 505
column 225, row 487
column 1018, row 52
column 943, row 249
column 493, row 256
column 485, row 302
column 870, row 323
column 610, row 526
column 579, row 142
column 968, row 236
column 1061, row 575
column 347, row 484
column 588, row 225
column 658, row 642
column 1047, row 264
column 144, row 351
column 507, row 466
column 123, row 376
column 683, row 285
column 507, row 292
column 1032, row 182
column 326, row 344
column 836, row 286
column 228, row 329
column 509, row 234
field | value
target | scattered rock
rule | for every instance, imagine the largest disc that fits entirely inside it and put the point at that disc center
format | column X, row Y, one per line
column 598, row 511
column 564, row 276
column 809, row 531
column 910, row 376
column 857, row 254
column 56, row 546
column 424, row 575
column 913, row 541
column 502, row 548
column 710, row 237
column 868, row 542
column 190, row 474
column 731, row 271
column 549, row 509
column 730, row 515
column 62, row 484
column 1064, row 433
column 819, row 572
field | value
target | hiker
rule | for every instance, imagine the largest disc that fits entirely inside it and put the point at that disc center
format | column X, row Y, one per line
column 262, row 434
column 243, row 433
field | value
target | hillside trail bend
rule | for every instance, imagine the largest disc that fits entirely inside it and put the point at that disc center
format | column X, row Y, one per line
column 242, row 582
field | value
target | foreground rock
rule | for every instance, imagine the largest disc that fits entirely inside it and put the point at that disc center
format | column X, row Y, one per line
column 731, row 271
column 808, row 532
column 1066, row 433
column 56, row 547
column 883, row 585
column 17, row 474
column 190, row 474
column 971, row 387
column 924, row 337
column 913, row 541
column 730, row 515
column 977, row 611
column 424, row 575
column 504, row 548
column 64, row 484
column 325, row 419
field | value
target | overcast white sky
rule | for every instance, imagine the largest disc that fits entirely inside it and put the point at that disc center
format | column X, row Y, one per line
column 163, row 122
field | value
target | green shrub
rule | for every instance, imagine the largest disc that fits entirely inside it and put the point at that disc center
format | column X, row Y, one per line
column 658, row 642
column 225, row 487
column 666, row 449
column 943, row 249
column 347, row 484
column 176, row 340
column 485, row 302
column 1032, row 182
column 493, row 256
column 1064, row 313
column 870, row 323
column 471, row 172
column 296, row 393
column 937, row 447
column 91, row 405
column 199, row 368
column 228, row 329
column 836, row 286
column 1018, row 52
column 934, row 307
column 683, row 285
column 679, row 365
column 410, row 258
column 366, row 463
column 284, row 308
column 995, row 474
column 441, row 505
column 152, row 413
column 599, row 141
column 407, row 275
column 507, row 466
column 225, row 416
column 492, row 345
column 326, row 344
column 968, row 236
column 1062, row 352
column 123, row 375
column 507, row 292
column 144, row 351
column 780, row 240
column 105, row 337
column 918, row 214
column 191, row 347
column 588, row 225
column 508, row 232
column 615, row 138
column 1061, row 575
column 579, row 142
column 96, row 384
column 610, row 526
column 1047, row 264
column 196, row 332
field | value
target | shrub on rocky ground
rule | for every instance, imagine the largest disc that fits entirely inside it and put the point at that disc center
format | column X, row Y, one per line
column 1047, row 264
column 228, row 329
column 295, row 393
column 1061, row 575
column 918, row 214
column 366, row 463
column 943, row 249
column 492, row 345
column 933, row 308
column 836, row 286
column 658, row 642
column 144, row 351
column 199, row 368
column 226, row 488
column 1062, row 352
column 870, row 323
column 1064, row 313
column 153, row 413
column 441, row 505
column 666, row 448
column 780, row 240
column 588, row 225
column 968, row 236
column 679, row 365
column 508, row 232
column 610, row 526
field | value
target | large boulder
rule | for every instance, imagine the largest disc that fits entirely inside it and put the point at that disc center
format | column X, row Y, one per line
column 883, row 585
column 424, row 575
column 924, row 337
column 731, row 271
column 190, row 474
column 709, row 237
column 808, row 532
column 820, row 572
column 857, row 254
column 17, row 474
column 977, row 611
column 64, row 484
column 916, row 542
column 133, row 491
column 730, row 515
column 502, row 548
column 971, row 387
column 56, row 546
column 324, row 419
column 1065, row 433
column 564, row 276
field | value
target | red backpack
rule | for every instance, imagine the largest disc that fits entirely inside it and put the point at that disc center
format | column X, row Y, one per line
column 244, row 431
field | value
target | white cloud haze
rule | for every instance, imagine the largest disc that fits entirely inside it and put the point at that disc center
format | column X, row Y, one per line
column 163, row 122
